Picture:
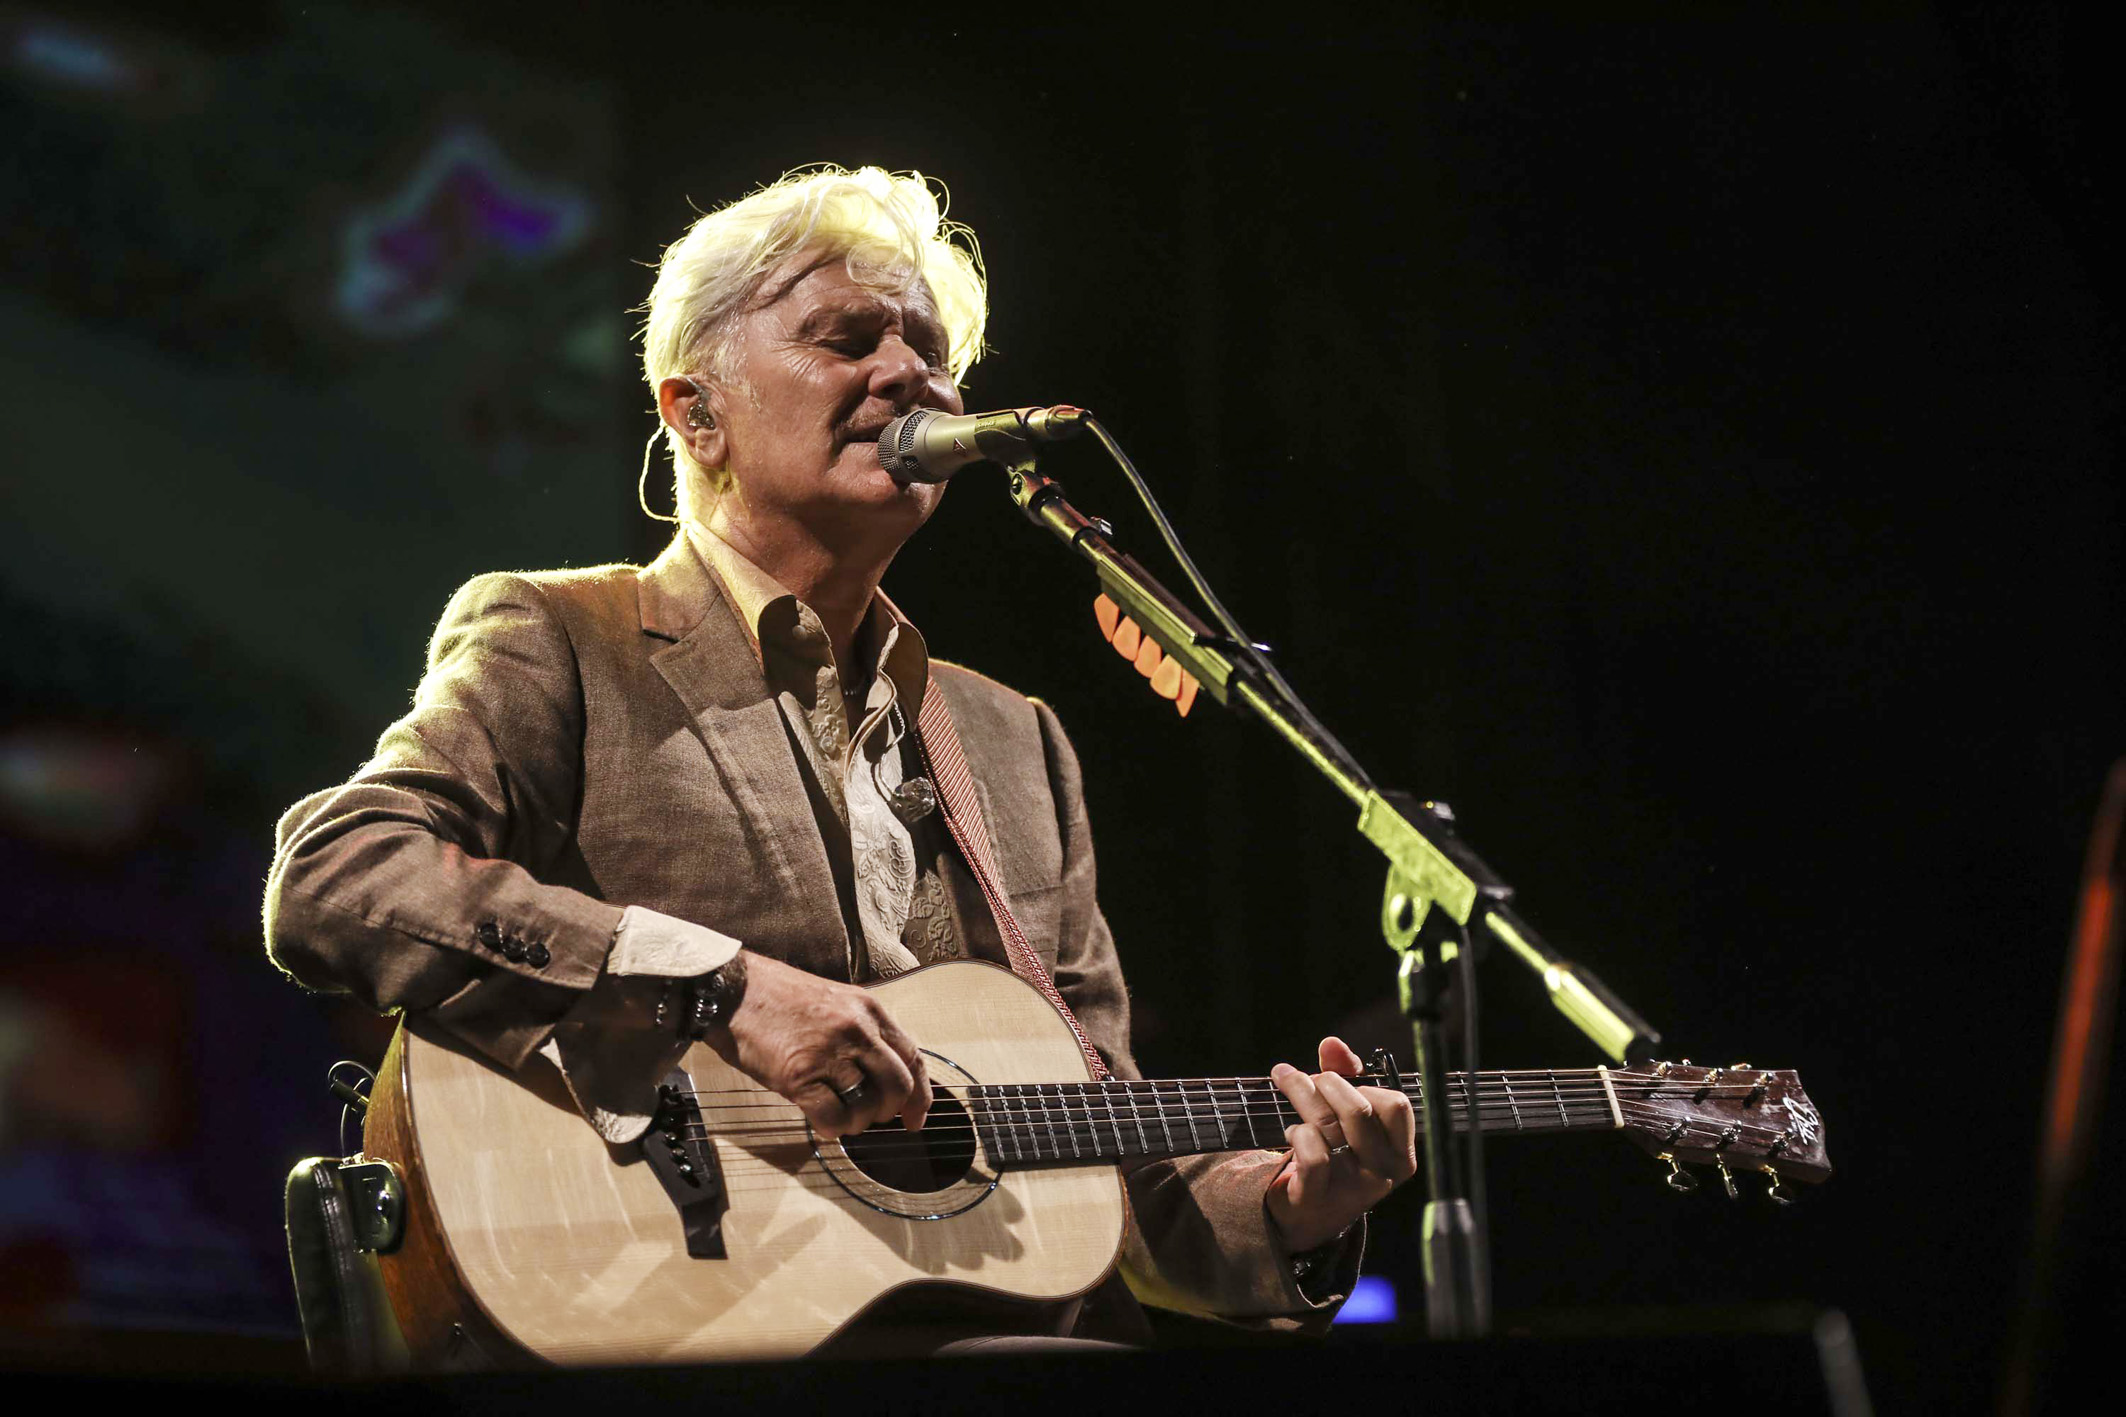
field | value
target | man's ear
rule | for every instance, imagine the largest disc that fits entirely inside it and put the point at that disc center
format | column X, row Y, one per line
column 693, row 410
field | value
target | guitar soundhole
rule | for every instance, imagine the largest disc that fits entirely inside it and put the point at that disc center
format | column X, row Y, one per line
column 938, row 1156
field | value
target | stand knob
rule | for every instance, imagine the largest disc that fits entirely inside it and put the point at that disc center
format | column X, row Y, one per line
column 1679, row 1180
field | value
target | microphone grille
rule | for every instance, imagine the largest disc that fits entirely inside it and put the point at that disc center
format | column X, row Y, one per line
column 900, row 457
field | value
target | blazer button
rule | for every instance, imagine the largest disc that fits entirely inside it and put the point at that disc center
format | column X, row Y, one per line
column 513, row 949
column 488, row 934
column 538, row 956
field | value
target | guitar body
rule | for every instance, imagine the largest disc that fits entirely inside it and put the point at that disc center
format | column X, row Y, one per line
column 526, row 1234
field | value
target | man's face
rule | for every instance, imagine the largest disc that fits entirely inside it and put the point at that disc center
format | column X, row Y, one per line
column 822, row 366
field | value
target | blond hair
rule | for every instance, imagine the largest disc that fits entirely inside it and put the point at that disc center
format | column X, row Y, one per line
column 889, row 228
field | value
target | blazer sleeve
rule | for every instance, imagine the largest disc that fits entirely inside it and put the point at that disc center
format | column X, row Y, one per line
column 1200, row 1239
column 415, row 886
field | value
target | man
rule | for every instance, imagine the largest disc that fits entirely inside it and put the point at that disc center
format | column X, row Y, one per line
column 634, row 806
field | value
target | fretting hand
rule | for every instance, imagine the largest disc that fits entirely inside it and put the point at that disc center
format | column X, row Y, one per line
column 830, row 1048
column 1352, row 1146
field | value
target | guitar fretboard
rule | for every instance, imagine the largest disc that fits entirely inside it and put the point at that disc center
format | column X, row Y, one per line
column 1024, row 1124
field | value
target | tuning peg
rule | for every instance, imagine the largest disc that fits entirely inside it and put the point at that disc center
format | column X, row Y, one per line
column 1727, row 1179
column 1779, row 1192
column 1679, row 1180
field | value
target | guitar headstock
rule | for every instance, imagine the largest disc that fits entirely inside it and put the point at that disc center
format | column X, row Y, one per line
column 1736, row 1119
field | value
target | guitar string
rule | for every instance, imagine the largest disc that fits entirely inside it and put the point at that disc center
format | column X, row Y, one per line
column 1035, row 1160
column 1154, row 1089
column 748, row 1165
column 1090, row 1125
column 1166, row 1108
column 1159, row 1109
column 1155, row 1093
column 943, row 1126
column 1587, row 1109
column 1490, row 1077
column 1162, row 1108
column 1001, row 1108
column 1046, row 1129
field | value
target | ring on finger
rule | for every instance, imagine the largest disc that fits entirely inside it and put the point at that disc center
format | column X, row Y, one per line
column 851, row 1096
column 1339, row 1149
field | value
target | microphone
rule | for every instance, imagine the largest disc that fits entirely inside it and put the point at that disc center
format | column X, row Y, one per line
column 928, row 446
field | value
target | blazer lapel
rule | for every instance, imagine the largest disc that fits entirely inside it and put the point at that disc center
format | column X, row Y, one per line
column 708, row 661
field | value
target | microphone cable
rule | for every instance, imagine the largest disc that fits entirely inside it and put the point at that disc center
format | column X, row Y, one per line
column 1253, row 653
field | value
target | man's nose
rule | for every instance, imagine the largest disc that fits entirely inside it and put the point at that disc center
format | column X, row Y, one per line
column 899, row 373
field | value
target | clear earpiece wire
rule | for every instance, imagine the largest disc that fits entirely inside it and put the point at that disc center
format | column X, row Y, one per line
column 642, row 483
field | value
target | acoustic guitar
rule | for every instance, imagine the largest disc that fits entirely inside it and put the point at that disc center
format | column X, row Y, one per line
column 733, row 1231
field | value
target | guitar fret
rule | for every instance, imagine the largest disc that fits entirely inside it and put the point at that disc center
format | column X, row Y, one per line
column 1022, row 1134
column 1475, row 1119
column 1188, row 1110
column 1143, row 1138
column 1552, row 1074
column 1114, row 1119
column 1507, row 1083
column 992, row 1113
column 1022, row 1123
column 1253, row 1114
column 985, row 1129
column 1159, row 1109
column 1084, row 1111
column 1276, row 1118
column 982, row 1106
column 1035, row 1131
column 1070, row 1121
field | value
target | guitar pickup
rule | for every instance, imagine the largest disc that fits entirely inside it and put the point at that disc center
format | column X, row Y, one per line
column 679, row 1151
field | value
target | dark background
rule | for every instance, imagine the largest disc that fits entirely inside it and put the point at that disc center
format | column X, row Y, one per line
column 1690, row 446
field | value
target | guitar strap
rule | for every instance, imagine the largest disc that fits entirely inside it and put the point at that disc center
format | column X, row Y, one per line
column 938, row 743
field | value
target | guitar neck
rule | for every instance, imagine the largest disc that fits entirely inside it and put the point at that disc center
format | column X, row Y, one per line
column 1026, row 1124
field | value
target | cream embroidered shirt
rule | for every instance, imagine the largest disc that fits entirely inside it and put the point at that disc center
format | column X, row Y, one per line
column 855, row 749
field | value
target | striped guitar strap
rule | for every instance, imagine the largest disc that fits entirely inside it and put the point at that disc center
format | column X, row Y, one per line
column 938, row 743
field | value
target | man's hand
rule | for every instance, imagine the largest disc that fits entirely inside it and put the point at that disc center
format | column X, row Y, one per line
column 1352, row 1146
column 830, row 1048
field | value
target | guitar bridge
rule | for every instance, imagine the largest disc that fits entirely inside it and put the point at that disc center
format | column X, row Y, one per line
column 679, row 1151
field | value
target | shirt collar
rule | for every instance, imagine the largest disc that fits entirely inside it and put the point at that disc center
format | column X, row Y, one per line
column 903, row 656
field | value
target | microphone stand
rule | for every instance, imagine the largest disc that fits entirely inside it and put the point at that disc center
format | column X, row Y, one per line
column 1429, row 866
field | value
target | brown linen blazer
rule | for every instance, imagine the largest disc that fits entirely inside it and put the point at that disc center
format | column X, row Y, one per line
column 586, row 740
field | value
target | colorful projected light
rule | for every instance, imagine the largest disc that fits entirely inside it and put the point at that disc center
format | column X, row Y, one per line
column 466, row 207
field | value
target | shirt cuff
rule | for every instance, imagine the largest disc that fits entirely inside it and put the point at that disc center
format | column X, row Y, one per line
column 1325, row 1274
column 667, row 947
column 649, row 951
